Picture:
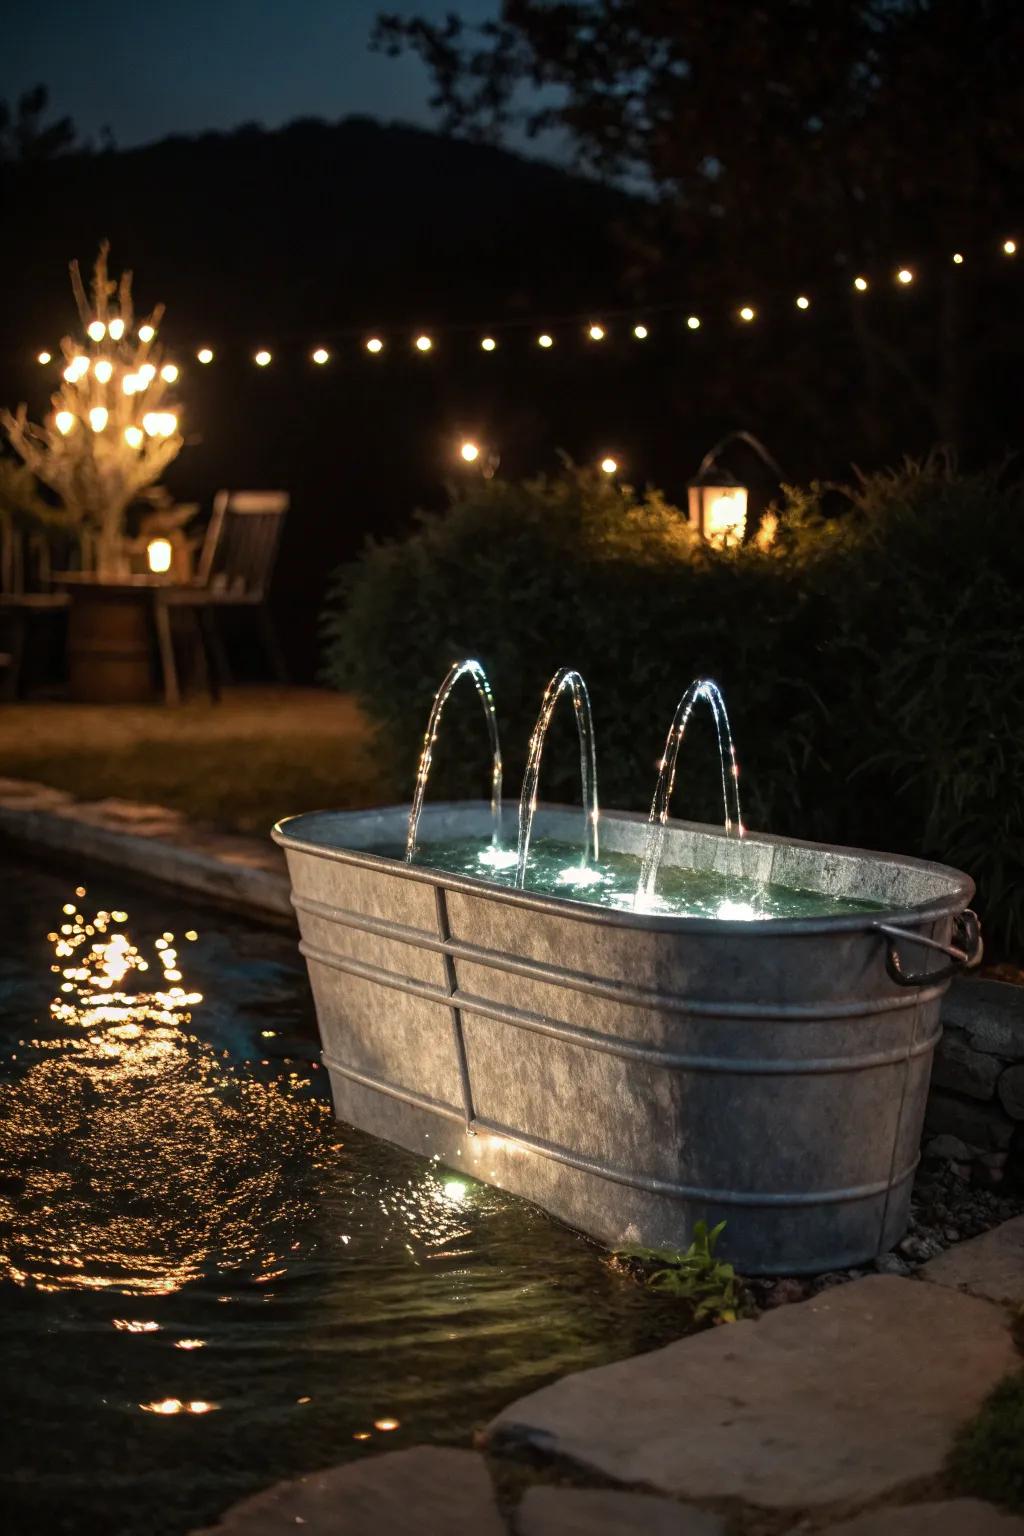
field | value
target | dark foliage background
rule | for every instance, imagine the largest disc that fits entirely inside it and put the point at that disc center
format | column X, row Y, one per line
column 872, row 661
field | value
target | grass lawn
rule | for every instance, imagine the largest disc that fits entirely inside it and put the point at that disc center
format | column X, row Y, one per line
column 242, row 764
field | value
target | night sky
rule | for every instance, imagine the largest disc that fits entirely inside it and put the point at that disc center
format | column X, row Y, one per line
column 145, row 71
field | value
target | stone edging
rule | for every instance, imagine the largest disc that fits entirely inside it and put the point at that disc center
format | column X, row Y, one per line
column 246, row 874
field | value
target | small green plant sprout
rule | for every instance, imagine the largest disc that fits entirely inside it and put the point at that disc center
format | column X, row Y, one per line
column 712, row 1288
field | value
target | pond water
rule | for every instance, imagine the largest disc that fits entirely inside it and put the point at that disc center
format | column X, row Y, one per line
column 206, row 1284
column 555, row 869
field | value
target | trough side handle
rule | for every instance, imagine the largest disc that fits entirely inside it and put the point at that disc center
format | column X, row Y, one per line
column 964, row 955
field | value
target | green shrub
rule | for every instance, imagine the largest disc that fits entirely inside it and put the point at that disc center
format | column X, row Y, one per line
column 872, row 658
column 988, row 1457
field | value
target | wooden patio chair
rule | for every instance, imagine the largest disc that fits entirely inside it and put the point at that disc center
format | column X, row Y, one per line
column 25, row 596
column 235, row 567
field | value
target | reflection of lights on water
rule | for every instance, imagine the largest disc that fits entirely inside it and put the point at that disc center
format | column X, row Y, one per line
column 579, row 874
column 362, row 1434
column 736, row 912
column 385, row 1425
column 132, row 1325
column 455, row 1190
column 171, row 1405
column 190, row 1343
column 179, row 1156
column 497, row 858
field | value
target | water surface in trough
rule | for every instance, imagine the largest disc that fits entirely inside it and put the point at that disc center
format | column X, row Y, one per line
column 205, row 1283
column 556, row 869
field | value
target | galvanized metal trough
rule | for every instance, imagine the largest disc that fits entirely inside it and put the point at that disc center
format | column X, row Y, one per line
column 632, row 1073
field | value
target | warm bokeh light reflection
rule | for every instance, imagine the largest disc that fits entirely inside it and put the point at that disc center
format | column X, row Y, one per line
column 133, row 1156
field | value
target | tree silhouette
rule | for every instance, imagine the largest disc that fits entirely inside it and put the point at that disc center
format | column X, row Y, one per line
column 25, row 136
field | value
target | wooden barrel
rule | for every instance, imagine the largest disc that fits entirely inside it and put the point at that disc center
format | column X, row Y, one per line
column 110, row 645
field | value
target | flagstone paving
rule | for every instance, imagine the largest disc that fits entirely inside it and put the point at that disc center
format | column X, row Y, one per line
column 843, row 1399
column 991, row 1265
column 958, row 1517
column 428, row 1490
column 608, row 1512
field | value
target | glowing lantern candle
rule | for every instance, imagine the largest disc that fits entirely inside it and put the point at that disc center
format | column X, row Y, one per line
column 158, row 554
column 718, row 508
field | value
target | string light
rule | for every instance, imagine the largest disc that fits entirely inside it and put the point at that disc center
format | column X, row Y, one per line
column 44, row 358
column 803, row 302
column 746, row 313
column 64, row 421
column 375, row 345
column 160, row 423
column 98, row 417
column 1009, row 247
column 146, row 374
column 693, row 322
column 95, row 330
column 146, row 332
column 640, row 332
column 958, row 259
column 204, row 355
column 488, row 344
column 544, row 340
column 596, row 332
column 861, row 284
column 262, row 358
column 470, row 452
column 133, row 436
column 131, row 384
column 423, row 343
column 321, row 355
column 904, row 276
column 169, row 372
column 103, row 370
column 609, row 465
column 115, row 330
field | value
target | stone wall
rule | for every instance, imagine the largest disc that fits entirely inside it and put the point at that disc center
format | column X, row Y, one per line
column 975, row 1115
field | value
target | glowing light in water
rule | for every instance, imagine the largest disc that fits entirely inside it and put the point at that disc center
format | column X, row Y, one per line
column 498, row 858
column 467, row 668
column 579, row 874
column 736, row 912
column 564, row 678
column 654, row 843
column 455, row 1191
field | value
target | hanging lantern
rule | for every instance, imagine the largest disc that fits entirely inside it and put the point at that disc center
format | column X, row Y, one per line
column 718, row 507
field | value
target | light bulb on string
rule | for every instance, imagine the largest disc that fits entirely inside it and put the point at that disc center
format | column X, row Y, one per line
column 64, row 421
column 423, row 343
column 146, row 374
column 861, row 284
column 596, row 332
column 115, row 330
column 747, row 313
column 609, row 465
column 958, row 259
column 544, row 340
column 98, row 417
column 374, row 345
column 102, row 369
column 169, row 372
column 1009, row 247
column 470, row 452
column 803, row 302
column 640, row 332
column 693, row 322
column 134, row 437
column 904, row 276
column 146, row 332
column 95, row 330
column 488, row 344
column 262, row 358
column 204, row 355
column 321, row 356
column 44, row 358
